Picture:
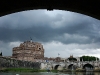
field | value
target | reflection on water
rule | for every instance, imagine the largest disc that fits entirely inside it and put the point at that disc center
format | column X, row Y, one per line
column 45, row 73
column 87, row 73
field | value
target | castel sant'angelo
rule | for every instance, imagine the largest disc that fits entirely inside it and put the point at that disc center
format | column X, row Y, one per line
column 28, row 51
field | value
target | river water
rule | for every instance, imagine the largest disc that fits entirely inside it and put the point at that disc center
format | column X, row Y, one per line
column 45, row 73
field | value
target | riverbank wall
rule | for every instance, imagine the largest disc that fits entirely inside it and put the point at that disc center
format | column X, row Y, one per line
column 13, row 63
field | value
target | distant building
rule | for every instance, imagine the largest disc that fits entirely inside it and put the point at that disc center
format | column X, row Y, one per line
column 28, row 51
column 71, row 58
column 58, row 59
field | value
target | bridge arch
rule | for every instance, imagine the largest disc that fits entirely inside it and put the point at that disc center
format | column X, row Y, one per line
column 56, row 67
column 90, row 8
column 88, row 66
column 72, row 66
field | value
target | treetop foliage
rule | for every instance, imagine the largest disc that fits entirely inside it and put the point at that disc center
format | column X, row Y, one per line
column 88, row 58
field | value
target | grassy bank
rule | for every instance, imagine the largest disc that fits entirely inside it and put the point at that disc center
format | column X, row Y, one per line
column 24, row 70
column 38, row 70
column 80, row 70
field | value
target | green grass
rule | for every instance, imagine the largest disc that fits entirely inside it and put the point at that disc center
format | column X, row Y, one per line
column 25, row 70
column 20, row 70
column 55, row 71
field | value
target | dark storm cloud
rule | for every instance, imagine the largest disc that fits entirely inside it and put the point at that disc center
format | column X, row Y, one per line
column 41, row 27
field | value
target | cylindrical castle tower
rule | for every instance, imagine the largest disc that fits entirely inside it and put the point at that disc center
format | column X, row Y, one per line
column 28, row 51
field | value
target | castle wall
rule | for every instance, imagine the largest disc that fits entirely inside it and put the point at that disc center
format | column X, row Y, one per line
column 29, row 51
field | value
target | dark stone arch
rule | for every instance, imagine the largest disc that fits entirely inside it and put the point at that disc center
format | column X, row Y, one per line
column 87, row 7
column 88, row 66
column 72, row 66
column 56, row 67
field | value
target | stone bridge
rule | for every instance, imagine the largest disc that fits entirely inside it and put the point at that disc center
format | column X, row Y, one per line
column 6, row 62
column 71, row 65
column 87, row 7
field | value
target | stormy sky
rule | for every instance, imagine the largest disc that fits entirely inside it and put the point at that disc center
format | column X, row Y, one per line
column 64, row 32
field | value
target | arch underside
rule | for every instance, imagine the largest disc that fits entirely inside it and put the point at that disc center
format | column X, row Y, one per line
column 71, row 66
column 56, row 67
column 87, row 7
column 88, row 66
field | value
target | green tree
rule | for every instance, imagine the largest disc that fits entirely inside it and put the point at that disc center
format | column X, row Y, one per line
column 72, row 59
column 88, row 58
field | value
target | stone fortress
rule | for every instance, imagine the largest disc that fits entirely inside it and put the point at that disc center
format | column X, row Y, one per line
column 28, row 51
column 32, row 51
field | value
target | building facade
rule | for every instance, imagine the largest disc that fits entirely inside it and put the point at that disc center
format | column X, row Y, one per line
column 28, row 51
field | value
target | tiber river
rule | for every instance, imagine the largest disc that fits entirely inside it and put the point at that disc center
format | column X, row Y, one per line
column 45, row 73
